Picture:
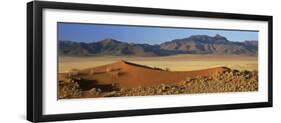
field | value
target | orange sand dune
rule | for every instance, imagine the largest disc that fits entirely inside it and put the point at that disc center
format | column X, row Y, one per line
column 127, row 75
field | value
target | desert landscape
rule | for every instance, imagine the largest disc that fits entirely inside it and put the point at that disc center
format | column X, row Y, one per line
column 114, row 76
column 123, row 78
column 189, row 65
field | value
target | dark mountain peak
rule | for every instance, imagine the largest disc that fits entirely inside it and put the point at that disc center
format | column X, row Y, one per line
column 202, row 38
column 109, row 40
column 199, row 37
column 204, row 44
column 219, row 37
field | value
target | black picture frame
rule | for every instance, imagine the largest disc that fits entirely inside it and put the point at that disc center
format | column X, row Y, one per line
column 35, row 69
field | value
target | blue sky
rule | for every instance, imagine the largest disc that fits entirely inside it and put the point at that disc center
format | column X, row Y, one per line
column 141, row 34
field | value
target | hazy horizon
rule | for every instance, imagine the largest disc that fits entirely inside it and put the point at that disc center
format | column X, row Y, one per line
column 141, row 34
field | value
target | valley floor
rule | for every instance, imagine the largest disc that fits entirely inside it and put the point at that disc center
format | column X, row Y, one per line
column 173, row 63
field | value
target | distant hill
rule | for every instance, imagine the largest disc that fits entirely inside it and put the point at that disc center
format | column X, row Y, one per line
column 111, row 47
column 203, row 44
column 196, row 44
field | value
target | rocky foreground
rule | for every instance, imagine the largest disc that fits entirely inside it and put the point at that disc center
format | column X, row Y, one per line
column 228, row 81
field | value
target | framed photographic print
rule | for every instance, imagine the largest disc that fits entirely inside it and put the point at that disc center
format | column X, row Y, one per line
column 95, row 61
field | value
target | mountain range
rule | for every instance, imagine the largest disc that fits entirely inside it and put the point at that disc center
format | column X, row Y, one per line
column 195, row 44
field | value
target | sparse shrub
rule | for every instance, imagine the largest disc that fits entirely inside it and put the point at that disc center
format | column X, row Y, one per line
column 70, row 90
column 94, row 92
column 235, row 72
column 163, row 87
